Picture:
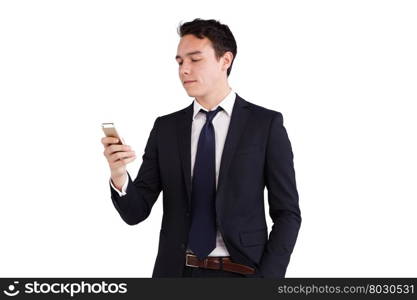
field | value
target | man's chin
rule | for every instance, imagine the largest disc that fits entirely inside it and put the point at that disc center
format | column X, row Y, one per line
column 191, row 93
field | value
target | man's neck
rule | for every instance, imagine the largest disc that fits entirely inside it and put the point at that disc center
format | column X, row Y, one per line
column 212, row 100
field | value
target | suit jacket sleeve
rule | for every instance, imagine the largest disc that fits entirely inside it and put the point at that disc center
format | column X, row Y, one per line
column 283, row 201
column 141, row 194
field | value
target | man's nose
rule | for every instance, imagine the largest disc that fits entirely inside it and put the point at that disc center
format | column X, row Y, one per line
column 185, row 69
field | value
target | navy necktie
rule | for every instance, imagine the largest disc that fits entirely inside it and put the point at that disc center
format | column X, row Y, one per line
column 202, row 235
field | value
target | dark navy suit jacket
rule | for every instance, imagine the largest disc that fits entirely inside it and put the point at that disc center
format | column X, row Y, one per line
column 257, row 154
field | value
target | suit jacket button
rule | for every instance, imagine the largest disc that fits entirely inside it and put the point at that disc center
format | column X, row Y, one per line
column 182, row 245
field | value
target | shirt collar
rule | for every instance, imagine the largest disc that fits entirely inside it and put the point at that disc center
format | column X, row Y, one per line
column 227, row 104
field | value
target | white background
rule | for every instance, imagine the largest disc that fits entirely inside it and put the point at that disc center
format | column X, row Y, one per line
column 342, row 73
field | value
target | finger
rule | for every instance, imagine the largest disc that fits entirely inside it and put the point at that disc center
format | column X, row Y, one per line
column 108, row 140
column 124, row 161
column 120, row 155
column 116, row 148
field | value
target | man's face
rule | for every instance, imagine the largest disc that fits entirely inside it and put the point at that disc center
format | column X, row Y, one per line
column 199, row 70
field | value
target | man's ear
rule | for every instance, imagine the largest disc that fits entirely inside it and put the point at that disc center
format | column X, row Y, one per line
column 227, row 60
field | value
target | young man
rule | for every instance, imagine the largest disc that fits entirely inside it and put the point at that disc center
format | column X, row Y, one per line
column 212, row 160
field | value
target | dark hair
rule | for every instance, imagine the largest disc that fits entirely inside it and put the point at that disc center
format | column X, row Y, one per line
column 219, row 34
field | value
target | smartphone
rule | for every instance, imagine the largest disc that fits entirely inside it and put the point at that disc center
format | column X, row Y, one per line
column 110, row 131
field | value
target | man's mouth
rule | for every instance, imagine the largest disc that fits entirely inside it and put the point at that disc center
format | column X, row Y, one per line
column 189, row 81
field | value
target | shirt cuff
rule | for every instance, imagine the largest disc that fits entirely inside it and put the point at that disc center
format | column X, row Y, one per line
column 124, row 187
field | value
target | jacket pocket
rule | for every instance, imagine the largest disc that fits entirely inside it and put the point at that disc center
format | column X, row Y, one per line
column 253, row 238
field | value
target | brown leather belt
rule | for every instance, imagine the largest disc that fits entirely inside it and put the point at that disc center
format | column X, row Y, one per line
column 217, row 263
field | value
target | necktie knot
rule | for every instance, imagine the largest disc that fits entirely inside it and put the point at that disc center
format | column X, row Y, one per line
column 211, row 114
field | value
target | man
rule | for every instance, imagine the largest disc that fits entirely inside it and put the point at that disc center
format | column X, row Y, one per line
column 212, row 160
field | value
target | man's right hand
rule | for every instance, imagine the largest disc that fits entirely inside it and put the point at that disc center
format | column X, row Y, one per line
column 118, row 156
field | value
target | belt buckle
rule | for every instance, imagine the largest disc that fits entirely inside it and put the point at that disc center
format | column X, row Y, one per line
column 186, row 261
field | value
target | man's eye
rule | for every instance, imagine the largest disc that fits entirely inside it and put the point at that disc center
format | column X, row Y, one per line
column 193, row 60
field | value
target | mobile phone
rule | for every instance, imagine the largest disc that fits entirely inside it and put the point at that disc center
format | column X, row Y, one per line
column 110, row 131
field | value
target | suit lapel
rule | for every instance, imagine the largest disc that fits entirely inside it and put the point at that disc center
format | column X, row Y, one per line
column 240, row 114
column 184, row 144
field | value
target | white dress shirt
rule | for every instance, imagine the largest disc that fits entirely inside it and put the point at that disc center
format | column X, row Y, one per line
column 221, row 123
